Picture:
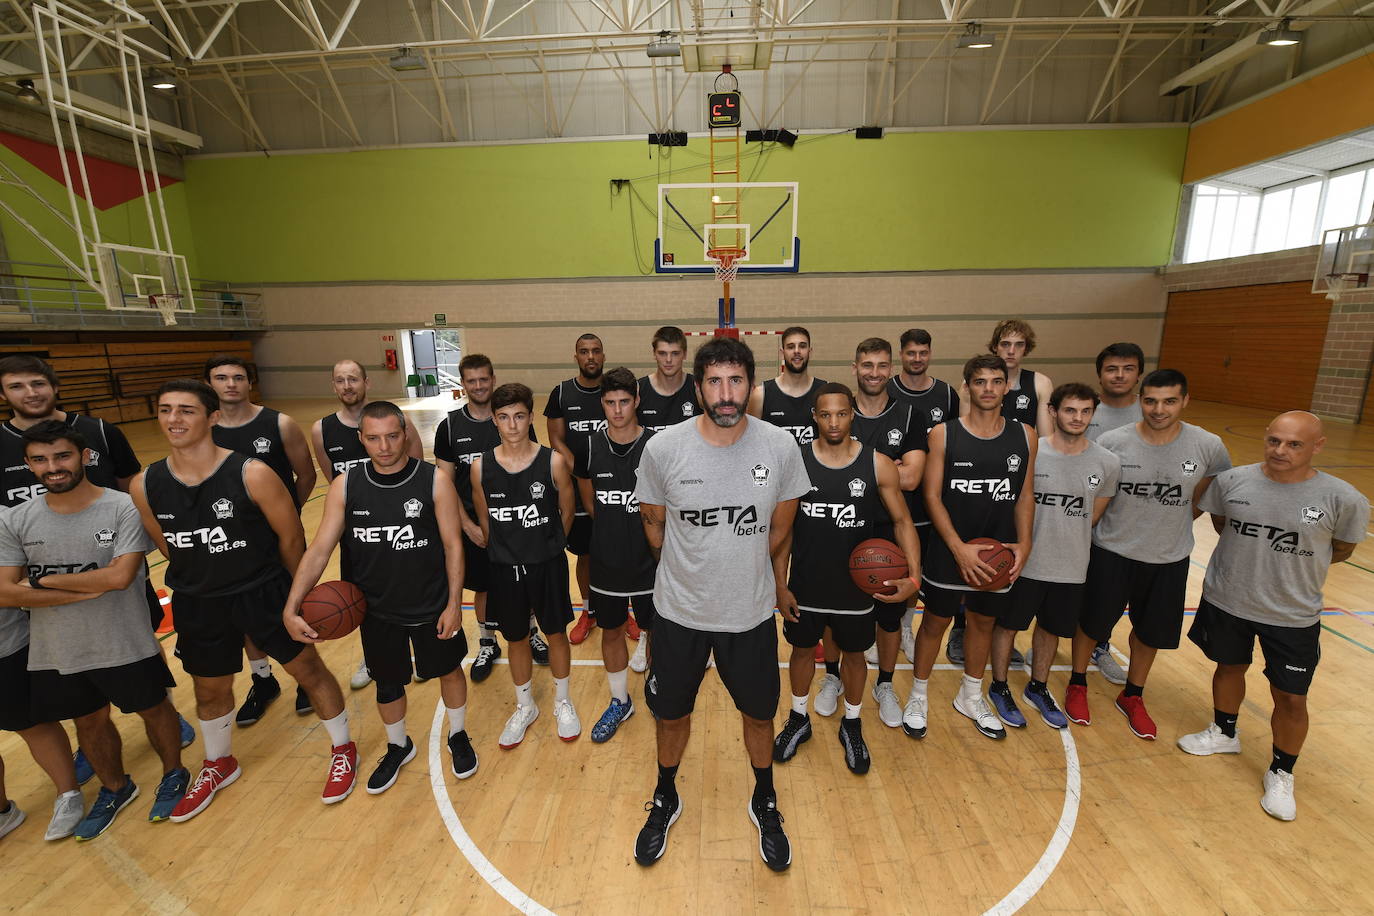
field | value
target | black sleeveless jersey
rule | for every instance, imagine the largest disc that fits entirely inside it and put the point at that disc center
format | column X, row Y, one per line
column 391, row 542
column 1022, row 404
column 260, row 438
column 934, row 406
column 894, row 432
column 792, row 414
column 658, row 412
column 111, row 459
column 218, row 541
column 581, row 411
column 982, row 482
column 842, row 509
column 621, row 561
column 461, row 439
column 341, row 445
column 522, row 509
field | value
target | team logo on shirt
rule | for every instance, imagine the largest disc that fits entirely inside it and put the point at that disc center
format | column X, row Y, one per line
column 936, row 414
column 412, row 508
column 262, row 445
column 1189, row 467
column 95, row 458
column 760, row 475
column 1022, row 402
column 1311, row 515
column 104, row 538
column 1094, row 481
column 894, row 437
column 1013, row 463
column 856, row 488
column 223, row 508
column 536, row 490
column 686, row 410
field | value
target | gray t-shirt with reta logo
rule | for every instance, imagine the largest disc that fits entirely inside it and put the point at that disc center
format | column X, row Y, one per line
column 1107, row 418
column 1270, row 562
column 715, row 573
column 1066, row 489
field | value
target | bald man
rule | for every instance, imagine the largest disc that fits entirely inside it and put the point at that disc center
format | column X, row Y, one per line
column 1282, row 523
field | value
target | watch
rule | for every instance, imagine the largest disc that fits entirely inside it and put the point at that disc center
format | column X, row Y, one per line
column 33, row 580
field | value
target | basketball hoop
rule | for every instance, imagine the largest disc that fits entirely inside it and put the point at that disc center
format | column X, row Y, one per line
column 167, row 305
column 726, row 262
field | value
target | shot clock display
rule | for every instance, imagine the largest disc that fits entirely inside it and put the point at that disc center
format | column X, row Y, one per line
column 723, row 109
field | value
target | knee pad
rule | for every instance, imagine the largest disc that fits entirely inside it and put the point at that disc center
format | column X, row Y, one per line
column 889, row 623
column 389, row 693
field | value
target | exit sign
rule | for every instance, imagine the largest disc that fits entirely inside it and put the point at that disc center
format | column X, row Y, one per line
column 440, row 319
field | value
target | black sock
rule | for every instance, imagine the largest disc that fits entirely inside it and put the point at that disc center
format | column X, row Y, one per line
column 1226, row 721
column 1078, row 679
column 1132, row 690
column 763, row 783
column 1282, row 761
column 667, row 785
column 1036, row 686
column 832, row 668
column 884, row 677
column 998, row 686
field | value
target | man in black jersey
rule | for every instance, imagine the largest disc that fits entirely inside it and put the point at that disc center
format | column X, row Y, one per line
column 274, row 439
column 397, row 519
column 855, row 493
column 523, row 493
column 573, row 413
column 978, row 483
column 459, row 440
column 337, row 448
column 232, row 539
column 622, row 566
column 786, row 401
column 667, row 395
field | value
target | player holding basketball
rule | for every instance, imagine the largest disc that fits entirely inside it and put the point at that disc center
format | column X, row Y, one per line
column 397, row 520
column 717, row 497
column 622, row 566
column 855, row 493
column 667, row 395
column 786, row 401
column 977, row 483
column 1282, row 523
column 523, row 493
column 1074, row 479
column 573, row 413
column 1141, row 546
column 232, row 539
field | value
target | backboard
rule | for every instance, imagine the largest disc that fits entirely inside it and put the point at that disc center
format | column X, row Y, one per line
column 1345, row 261
column 762, row 219
column 129, row 275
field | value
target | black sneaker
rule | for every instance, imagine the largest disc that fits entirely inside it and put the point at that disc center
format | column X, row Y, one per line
column 855, row 750
column 389, row 767
column 487, row 654
column 464, row 757
column 795, row 733
column 539, row 650
column 260, row 696
column 303, row 705
column 773, row 845
column 653, row 836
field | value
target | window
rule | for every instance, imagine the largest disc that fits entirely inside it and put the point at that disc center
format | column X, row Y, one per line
column 1222, row 224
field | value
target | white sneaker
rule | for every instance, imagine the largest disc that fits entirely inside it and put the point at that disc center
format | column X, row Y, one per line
column 11, row 817
column 871, row 655
column 828, row 696
column 914, row 716
column 569, row 725
column 1278, row 795
column 361, row 678
column 976, row 708
column 519, row 721
column 889, row 710
column 909, row 644
column 639, row 662
column 1108, row 665
column 67, row 812
column 1211, row 740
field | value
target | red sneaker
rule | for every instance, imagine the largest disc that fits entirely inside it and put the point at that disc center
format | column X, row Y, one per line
column 631, row 627
column 214, row 775
column 582, row 629
column 342, row 768
column 1076, row 705
column 1133, row 708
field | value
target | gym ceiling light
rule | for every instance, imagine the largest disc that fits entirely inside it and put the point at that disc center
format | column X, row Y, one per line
column 974, row 38
column 164, row 81
column 1282, row 35
column 664, row 46
column 27, row 94
column 405, row 59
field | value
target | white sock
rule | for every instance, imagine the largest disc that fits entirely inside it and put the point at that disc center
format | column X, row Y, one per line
column 560, row 689
column 971, row 686
column 799, row 704
column 261, row 667
column 523, row 694
column 918, row 687
column 620, row 684
column 851, row 710
column 216, row 733
column 457, row 718
column 396, row 732
column 908, row 617
column 486, row 632
column 72, row 792
column 338, row 729
column 534, row 625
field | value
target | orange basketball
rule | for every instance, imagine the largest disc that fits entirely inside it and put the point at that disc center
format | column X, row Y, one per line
column 996, row 555
column 334, row 609
column 874, row 562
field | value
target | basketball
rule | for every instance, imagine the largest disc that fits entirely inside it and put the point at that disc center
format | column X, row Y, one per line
column 1000, row 559
column 334, row 609
column 874, row 562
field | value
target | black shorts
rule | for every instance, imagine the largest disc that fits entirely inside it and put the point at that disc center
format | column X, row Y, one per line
column 612, row 611
column 1291, row 654
column 1056, row 606
column 133, row 688
column 155, row 610
column 388, row 648
column 925, row 534
column 852, row 632
column 476, row 567
column 16, row 711
column 539, row 587
column 946, row 602
column 580, row 536
column 1154, row 592
column 746, row 662
column 210, row 631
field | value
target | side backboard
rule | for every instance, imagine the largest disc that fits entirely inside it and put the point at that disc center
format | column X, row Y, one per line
column 761, row 218
column 1345, row 260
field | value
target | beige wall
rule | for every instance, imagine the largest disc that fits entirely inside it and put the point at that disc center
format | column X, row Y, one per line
column 528, row 327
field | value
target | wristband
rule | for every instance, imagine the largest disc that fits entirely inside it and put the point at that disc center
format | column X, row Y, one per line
column 914, row 582
column 33, row 581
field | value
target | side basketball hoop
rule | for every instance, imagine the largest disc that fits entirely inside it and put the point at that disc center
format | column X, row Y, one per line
column 167, row 305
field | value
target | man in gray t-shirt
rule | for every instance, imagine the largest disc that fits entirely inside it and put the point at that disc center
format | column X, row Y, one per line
column 1119, row 368
column 1281, row 524
column 717, row 496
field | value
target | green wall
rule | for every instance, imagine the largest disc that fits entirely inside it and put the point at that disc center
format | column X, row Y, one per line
column 1014, row 199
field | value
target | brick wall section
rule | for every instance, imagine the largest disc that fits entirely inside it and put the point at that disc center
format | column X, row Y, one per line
column 1273, row 267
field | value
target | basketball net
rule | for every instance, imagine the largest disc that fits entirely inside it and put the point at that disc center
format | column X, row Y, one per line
column 166, row 304
column 726, row 263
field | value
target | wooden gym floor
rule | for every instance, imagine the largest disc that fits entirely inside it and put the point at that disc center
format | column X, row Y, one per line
column 1091, row 820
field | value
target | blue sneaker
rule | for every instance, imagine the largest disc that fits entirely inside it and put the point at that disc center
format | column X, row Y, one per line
column 1049, row 710
column 102, row 813
column 169, row 792
column 1005, row 707
column 84, row 770
column 605, row 727
column 188, row 734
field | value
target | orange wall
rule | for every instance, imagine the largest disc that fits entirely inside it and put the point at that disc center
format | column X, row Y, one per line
column 1328, row 105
